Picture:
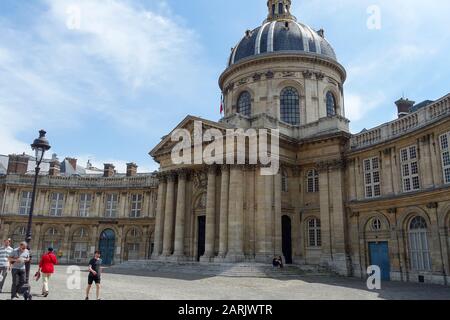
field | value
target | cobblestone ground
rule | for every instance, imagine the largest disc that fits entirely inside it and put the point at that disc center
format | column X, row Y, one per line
column 156, row 286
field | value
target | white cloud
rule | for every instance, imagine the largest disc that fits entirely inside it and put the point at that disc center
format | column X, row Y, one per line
column 57, row 77
column 357, row 106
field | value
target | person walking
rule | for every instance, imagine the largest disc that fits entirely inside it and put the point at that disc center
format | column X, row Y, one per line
column 47, row 268
column 95, row 265
column 18, row 258
column 5, row 252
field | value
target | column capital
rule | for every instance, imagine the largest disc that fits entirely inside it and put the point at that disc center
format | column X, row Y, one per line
column 182, row 174
column 212, row 169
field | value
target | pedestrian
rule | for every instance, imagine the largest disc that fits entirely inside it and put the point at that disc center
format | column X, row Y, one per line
column 47, row 268
column 5, row 252
column 18, row 258
column 95, row 265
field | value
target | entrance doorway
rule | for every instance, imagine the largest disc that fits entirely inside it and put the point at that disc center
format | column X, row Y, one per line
column 287, row 239
column 379, row 256
column 201, row 237
column 107, row 246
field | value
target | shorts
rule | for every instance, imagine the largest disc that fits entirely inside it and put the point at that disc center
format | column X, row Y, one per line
column 92, row 279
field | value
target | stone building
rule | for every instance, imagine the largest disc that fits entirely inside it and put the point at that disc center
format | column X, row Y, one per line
column 340, row 201
column 79, row 210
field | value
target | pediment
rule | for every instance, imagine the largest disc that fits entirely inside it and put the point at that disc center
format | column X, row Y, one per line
column 166, row 144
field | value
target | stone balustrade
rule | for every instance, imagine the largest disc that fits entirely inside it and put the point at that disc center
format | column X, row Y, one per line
column 84, row 182
column 422, row 117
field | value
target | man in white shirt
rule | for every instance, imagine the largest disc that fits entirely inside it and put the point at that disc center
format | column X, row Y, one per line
column 19, row 257
column 5, row 252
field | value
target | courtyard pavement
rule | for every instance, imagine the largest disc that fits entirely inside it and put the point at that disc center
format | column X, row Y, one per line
column 141, row 285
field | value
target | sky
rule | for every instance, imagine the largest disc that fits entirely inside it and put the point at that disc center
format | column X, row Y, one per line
column 108, row 78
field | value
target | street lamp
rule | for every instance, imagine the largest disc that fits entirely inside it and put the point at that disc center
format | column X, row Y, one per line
column 39, row 146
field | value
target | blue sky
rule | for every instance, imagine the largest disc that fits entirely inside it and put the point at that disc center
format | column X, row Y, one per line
column 109, row 90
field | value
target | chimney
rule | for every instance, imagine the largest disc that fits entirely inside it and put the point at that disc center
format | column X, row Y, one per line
column 73, row 163
column 109, row 170
column 55, row 168
column 403, row 107
column 131, row 169
column 18, row 164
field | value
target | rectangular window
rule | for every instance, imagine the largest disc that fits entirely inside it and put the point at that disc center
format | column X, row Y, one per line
column 372, row 177
column 80, row 250
column 445, row 150
column 57, row 205
column 112, row 201
column 85, row 205
column 410, row 169
column 25, row 203
column 136, row 205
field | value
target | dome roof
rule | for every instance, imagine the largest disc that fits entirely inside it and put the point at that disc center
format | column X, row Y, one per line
column 283, row 36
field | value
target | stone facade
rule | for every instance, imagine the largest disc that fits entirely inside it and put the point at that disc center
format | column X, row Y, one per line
column 72, row 212
column 339, row 201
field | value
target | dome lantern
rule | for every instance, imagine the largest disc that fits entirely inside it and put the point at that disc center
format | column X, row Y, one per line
column 279, row 10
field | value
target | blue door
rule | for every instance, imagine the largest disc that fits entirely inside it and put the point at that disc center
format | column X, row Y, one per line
column 107, row 246
column 379, row 256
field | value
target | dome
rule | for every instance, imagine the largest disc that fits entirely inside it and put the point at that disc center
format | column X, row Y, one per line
column 283, row 34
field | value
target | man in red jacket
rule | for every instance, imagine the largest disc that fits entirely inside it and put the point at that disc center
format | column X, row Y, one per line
column 46, row 267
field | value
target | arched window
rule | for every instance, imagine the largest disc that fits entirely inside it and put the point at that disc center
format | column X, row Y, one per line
column 312, row 181
column 52, row 232
column 418, row 244
column 245, row 104
column 314, row 233
column 284, row 181
column 290, row 106
column 280, row 8
column 81, row 233
column 331, row 104
column 375, row 224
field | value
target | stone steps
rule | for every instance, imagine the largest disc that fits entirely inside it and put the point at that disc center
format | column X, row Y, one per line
column 217, row 269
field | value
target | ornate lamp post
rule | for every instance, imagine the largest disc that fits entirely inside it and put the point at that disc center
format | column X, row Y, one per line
column 39, row 146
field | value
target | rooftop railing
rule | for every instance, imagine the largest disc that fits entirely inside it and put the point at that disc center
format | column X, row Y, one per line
column 83, row 182
column 422, row 117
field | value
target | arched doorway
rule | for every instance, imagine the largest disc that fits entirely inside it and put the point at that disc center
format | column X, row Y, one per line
column 287, row 239
column 107, row 246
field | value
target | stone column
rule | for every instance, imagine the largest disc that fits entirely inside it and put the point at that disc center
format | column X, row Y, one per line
column 278, row 246
column 35, row 242
column 6, row 233
column 351, row 179
column 66, row 244
column 435, row 155
column 169, row 216
column 386, row 173
column 339, row 221
column 180, row 216
column 94, row 240
column 325, row 258
column 210, row 215
column 223, row 227
column 235, row 225
column 426, row 168
column 264, row 218
column 159, row 220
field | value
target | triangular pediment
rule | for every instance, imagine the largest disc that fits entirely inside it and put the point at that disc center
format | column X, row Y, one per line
column 167, row 144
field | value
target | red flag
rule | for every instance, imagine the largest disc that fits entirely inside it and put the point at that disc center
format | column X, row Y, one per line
column 221, row 104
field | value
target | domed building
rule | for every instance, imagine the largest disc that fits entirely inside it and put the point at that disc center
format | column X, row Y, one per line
column 339, row 201
column 334, row 201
